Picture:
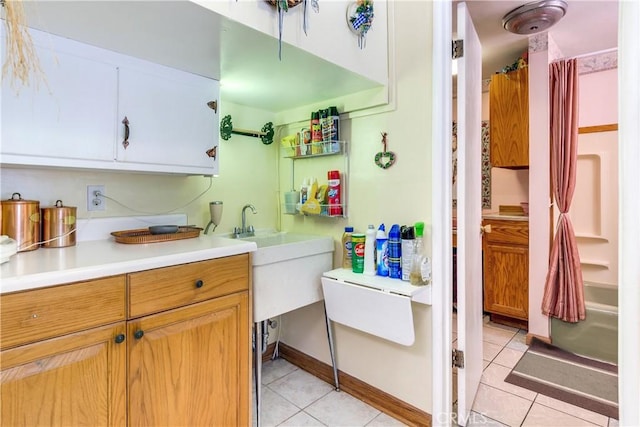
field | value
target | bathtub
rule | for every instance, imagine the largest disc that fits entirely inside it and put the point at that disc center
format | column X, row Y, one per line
column 597, row 336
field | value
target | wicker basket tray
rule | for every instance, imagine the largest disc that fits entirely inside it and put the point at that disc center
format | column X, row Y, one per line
column 143, row 235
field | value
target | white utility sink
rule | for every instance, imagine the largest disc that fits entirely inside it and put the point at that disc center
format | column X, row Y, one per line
column 287, row 268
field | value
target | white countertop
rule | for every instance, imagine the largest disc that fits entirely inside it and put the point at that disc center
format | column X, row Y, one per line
column 386, row 284
column 98, row 258
column 496, row 215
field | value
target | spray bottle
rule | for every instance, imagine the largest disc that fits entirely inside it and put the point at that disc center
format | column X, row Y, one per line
column 408, row 247
column 421, row 265
column 395, row 253
column 382, row 253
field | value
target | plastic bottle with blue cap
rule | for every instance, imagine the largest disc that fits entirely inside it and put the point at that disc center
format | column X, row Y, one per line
column 395, row 252
column 382, row 253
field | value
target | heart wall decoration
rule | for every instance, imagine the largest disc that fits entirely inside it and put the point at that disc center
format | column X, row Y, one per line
column 385, row 159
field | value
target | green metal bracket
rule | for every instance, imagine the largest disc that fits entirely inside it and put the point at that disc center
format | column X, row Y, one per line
column 227, row 129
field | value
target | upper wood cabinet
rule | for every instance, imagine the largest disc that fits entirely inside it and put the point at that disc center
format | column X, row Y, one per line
column 75, row 117
column 509, row 119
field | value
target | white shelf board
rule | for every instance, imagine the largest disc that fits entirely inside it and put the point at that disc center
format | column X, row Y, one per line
column 421, row 294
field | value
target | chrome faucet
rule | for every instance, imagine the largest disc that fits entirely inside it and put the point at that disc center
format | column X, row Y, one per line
column 245, row 231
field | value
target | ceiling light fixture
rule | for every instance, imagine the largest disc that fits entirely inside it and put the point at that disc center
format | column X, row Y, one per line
column 534, row 17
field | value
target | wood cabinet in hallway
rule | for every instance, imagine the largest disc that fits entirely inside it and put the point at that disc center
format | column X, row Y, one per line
column 509, row 119
column 506, row 270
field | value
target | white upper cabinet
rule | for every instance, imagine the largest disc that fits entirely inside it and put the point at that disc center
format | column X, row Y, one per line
column 168, row 118
column 75, row 119
column 70, row 116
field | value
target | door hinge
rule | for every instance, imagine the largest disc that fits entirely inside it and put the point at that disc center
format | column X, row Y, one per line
column 457, row 49
column 457, row 358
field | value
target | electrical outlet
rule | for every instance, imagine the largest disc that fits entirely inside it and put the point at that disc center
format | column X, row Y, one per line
column 95, row 202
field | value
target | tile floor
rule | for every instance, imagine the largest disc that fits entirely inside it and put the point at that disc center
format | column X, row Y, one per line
column 293, row 397
column 499, row 403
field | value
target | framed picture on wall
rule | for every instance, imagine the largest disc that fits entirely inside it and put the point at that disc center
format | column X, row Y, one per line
column 486, row 166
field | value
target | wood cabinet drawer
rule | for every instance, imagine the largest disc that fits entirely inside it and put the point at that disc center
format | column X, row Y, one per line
column 39, row 314
column 164, row 288
column 513, row 232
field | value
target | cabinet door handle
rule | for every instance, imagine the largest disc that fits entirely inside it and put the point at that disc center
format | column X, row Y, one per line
column 199, row 284
column 125, row 122
column 485, row 229
column 119, row 338
column 138, row 334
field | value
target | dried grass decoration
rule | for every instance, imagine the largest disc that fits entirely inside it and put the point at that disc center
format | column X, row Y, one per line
column 21, row 61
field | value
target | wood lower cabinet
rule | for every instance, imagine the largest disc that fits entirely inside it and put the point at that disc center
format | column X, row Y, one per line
column 191, row 366
column 85, row 363
column 73, row 380
column 506, row 269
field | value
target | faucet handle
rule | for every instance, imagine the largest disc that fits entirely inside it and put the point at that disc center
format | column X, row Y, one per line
column 250, row 229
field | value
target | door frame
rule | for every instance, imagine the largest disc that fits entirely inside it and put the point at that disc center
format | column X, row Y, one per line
column 629, row 205
column 441, row 213
column 628, row 208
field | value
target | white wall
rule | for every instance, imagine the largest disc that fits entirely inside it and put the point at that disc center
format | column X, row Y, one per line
column 400, row 195
column 249, row 173
column 594, row 209
column 598, row 98
column 508, row 186
column 539, row 193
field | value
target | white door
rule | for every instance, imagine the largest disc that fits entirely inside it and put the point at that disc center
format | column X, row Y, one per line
column 169, row 120
column 469, row 213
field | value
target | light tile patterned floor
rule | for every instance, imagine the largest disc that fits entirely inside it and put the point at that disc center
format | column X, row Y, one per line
column 502, row 404
column 293, row 397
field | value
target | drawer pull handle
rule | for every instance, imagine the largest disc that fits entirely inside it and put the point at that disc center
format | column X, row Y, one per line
column 485, row 229
column 138, row 334
column 199, row 284
column 119, row 338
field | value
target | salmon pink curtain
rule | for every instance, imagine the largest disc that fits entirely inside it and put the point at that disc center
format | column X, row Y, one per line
column 564, row 291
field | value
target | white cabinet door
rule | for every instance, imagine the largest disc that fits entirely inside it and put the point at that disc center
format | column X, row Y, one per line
column 66, row 121
column 170, row 124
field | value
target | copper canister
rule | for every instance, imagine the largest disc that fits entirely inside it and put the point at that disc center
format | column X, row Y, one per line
column 59, row 226
column 21, row 222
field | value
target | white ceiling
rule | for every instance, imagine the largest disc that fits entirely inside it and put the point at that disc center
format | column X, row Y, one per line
column 186, row 36
column 588, row 26
column 183, row 35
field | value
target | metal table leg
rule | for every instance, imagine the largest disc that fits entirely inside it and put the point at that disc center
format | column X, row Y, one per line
column 332, row 350
column 257, row 368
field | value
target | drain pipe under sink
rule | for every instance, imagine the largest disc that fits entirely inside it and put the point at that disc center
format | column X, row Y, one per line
column 260, row 342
